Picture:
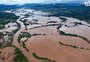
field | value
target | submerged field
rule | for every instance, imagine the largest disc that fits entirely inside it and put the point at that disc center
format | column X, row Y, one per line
column 37, row 36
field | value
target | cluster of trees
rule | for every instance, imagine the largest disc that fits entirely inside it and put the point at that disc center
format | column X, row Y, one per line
column 6, row 18
column 68, row 34
column 19, row 56
column 6, row 41
column 68, row 45
column 36, row 34
column 42, row 58
column 51, row 22
column 63, row 19
column 73, row 46
column 25, row 23
column 22, row 35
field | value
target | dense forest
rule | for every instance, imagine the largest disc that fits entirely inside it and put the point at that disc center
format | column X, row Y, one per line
column 6, row 18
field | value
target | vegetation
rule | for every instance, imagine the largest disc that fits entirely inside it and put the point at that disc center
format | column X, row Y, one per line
column 63, row 19
column 19, row 56
column 59, row 26
column 6, row 18
column 68, row 45
column 73, row 46
column 2, row 26
column 68, row 34
column 79, row 11
column 6, row 42
column 22, row 35
column 1, row 34
column 34, row 20
column 36, row 34
column 42, row 58
column 25, row 23
column 0, row 45
column 14, row 31
column 52, row 22
column 23, row 45
column 19, row 26
column 63, row 33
